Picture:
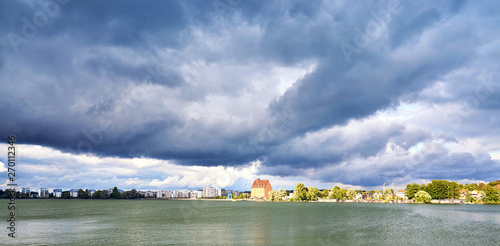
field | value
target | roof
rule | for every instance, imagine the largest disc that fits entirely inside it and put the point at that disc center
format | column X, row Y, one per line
column 402, row 191
column 261, row 183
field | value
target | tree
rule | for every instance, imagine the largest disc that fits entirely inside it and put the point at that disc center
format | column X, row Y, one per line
column 312, row 193
column 300, row 192
column 65, row 195
column 411, row 190
column 325, row 193
column 387, row 194
column 115, row 194
column 342, row 193
column 96, row 195
column 491, row 194
column 453, row 190
column 423, row 197
column 277, row 195
column 351, row 193
column 81, row 194
column 104, row 194
column 131, row 194
column 335, row 193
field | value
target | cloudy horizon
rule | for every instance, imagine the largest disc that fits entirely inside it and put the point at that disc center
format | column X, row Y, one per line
column 189, row 94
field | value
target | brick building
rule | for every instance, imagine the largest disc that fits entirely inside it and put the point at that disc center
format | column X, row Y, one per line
column 261, row 188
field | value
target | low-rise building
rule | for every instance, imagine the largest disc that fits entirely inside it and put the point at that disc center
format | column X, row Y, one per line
column 91, row 192
column 73, row 193
column 57, row 193
column 400, row 194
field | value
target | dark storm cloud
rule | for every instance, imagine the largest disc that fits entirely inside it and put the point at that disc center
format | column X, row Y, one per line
column 118, row 78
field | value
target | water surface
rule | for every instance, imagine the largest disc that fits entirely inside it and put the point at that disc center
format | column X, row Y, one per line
column 162, row 222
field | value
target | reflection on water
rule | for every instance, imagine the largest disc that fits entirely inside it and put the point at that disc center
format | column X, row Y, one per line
column 90, row 222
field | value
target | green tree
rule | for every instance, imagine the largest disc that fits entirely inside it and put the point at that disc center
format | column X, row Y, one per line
column 342, row 193
column 335, row 193
column 325, row 193
column 351, row 193
column 387, row 194
column 491, row 194
column 65, row 195
column 300, row 192
column 423, row 197
column 104, row 194
column 115, row 194
column 411, row 190
column 96, row 195
column 453, row 190
column 81, row 194
column 312, row 193
column 131, row 194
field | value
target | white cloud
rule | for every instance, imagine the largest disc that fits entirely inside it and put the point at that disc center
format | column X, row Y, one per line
column 3, row 168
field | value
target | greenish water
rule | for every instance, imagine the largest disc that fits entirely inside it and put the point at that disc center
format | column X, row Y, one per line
column 161, row 222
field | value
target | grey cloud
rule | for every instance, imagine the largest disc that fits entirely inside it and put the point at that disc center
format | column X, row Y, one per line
column 74, row 82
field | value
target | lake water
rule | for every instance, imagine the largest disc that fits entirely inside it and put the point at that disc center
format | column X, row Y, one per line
column 162, row 222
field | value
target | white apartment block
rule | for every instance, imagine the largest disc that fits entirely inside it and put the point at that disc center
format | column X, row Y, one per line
column 43, row 193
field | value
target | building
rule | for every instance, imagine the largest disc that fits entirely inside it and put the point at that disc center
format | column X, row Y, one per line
column 148, row 194
column 236, row 193
column 164, row 194
column 73, row 193
column 223, row 192
column 25, row 191
column 261, row 188
column 400, row 194
column 193, row 194
column 211, row 192
column 91, row 192
column 43, row 193
column 57, row 193
column 183, row 193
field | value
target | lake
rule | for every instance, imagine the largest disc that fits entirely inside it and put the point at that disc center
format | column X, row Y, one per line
column 163, row 222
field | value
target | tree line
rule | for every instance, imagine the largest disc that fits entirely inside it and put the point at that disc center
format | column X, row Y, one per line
column 444, row 189
column 437, row 189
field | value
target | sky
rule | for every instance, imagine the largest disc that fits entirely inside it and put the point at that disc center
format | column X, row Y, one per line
column 188, row 94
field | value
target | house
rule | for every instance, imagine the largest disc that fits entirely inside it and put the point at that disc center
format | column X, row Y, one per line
column 57, row 193
column 91, row 192
column 260, row 188
column 358, row 196
column 463, row 194
column 400, row 194
column 368, row 196
column 43, row 193
column 73, row 193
